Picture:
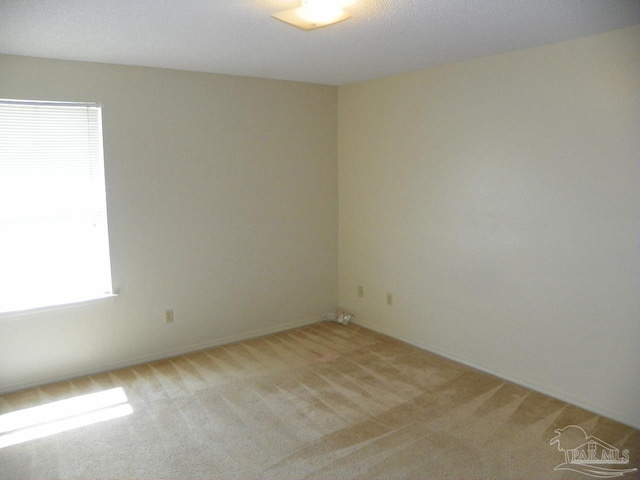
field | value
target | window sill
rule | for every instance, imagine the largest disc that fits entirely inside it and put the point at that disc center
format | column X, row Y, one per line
column 64, row 306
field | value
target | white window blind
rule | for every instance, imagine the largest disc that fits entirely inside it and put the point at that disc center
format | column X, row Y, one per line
column 54, row 246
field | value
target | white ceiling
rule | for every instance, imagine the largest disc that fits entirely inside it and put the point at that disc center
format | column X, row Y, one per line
column 239, row 37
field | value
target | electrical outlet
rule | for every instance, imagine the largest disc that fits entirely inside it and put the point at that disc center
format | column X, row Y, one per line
column 168, row 316
column 389, row 299
column 360, row 291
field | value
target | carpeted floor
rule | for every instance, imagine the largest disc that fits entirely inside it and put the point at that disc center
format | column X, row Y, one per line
column 325, row 401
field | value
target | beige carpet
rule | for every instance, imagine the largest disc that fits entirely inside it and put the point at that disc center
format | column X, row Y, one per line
column 325, row 401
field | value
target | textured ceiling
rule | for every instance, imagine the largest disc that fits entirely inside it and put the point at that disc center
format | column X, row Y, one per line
column 239, row 37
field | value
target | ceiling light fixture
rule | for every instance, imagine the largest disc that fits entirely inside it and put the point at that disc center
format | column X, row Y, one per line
column 312, row 14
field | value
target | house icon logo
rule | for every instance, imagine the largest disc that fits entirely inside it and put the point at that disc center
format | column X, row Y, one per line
column 589, row 455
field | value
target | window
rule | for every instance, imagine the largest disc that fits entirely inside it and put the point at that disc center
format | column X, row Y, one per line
column 54, row 246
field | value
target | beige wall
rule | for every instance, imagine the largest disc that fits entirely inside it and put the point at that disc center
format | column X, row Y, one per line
column 497, row 200
column 222, row 202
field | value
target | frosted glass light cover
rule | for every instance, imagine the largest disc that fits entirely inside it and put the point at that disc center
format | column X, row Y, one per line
column 312, row 16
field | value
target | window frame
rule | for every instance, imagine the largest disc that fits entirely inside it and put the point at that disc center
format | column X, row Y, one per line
column 73, row 298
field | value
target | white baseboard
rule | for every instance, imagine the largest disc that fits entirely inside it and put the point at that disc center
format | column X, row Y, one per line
column 504, row 376
column 162, row 355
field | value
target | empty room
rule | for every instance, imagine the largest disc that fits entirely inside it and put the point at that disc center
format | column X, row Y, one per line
column 319, row 239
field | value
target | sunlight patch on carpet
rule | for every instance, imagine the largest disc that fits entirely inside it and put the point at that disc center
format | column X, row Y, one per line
column 63, row 415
